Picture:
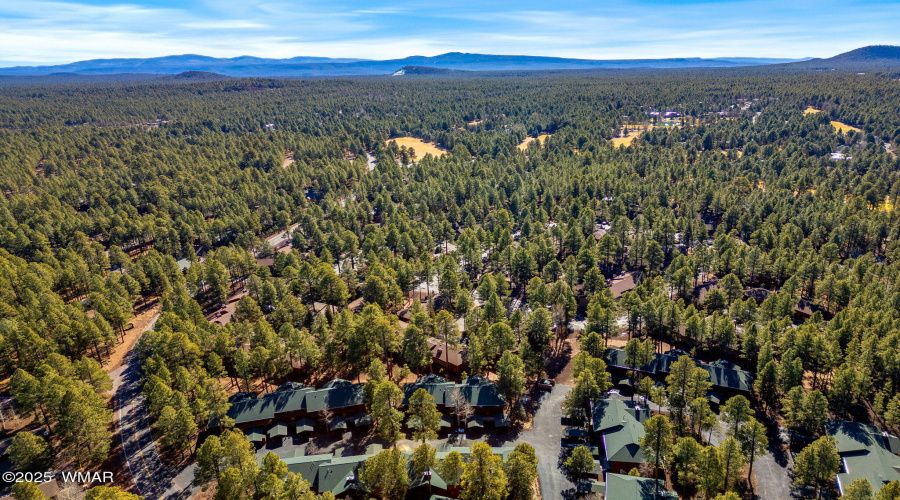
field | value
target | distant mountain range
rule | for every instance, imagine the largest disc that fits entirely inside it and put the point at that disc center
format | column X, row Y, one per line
column 871, row 58
column 323, row 66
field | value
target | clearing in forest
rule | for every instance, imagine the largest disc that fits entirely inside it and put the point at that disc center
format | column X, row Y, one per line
column 843, row 128
column 288, row 159
column 633, row 133
column 474, row 122
column 419, row 146
column 811, row 110
column 542, row 139
column 886, row 206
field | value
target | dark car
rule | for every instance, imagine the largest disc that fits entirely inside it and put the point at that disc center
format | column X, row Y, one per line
column 545, row 384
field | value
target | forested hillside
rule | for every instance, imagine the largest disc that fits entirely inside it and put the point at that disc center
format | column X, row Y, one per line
column 756, row 232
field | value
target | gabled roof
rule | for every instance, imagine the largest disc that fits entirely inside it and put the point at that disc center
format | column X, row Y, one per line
column 339, row 474
column 618, row 358
column 623, row 443
column 252, row 410
column 290, row 400
column 610, row 413
column 866, row 453
column 307, row 466
column 481, row 392
column 478, row 391
column 728, row 376
column 335, row 396
column 623, row 487
column 721, row 373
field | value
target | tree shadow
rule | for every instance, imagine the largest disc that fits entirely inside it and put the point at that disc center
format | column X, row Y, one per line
column 558, row 360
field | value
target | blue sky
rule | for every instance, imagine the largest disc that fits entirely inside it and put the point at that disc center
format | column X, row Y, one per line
column 49, row 32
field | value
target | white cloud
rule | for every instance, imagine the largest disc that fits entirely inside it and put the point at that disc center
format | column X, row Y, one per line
column 53, row 31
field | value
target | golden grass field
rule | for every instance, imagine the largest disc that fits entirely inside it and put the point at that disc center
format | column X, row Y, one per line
column 811, row 110
column 843, row 127
column 419, row 146
column 474, row 122
column 633, row 133
column 542, row 138
column 886, row 206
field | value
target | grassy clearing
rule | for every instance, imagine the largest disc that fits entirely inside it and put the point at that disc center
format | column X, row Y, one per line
column 886, row 206
column 811, row 110
column 542, row 138
column 633, row 133
column 474, row 122
column 843, row 128
column 419, row 146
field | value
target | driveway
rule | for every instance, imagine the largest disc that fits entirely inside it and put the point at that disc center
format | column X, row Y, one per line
column 546, row 438
column 772, row 470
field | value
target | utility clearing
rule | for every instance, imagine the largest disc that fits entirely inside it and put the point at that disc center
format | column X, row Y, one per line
column 420, row 147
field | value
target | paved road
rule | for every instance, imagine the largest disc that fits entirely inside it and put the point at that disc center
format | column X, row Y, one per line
column 546, row 437
column 152, row 478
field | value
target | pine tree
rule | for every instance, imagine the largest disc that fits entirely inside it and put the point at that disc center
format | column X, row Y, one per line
column 732, row 461
column 511, row 383
column 521, row 470
column 483, row 477
column 817, row 464
column 385, row 476
column 580, row 461
column 423, row 416
column 656, row 442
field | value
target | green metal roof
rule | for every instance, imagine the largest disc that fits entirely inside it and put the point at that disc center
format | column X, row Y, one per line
column 256, row 435
column 305, row 425
column 338, row 396
column 623, row 443
column 475, row 421
column 609, row 413
column 622, row 487
column 252, row 410
column 866, row 453
column 729, row 377
column 478, row 391
column 278, row 430
column 339, row 474
column 291, row 400
column 591, row 486
column 307, row 466
column 337, row 424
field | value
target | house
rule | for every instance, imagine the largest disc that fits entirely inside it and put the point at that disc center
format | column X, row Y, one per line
column 623, row 283
column 623, row 487
column 866, row 452
column 725, row 376
column 728, row 378
column 340, row 475
column 480, row 393
column 448, row 357
column 620, row 427
column 341, row 398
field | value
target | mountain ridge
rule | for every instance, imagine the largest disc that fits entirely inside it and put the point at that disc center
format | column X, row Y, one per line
column 320, row 66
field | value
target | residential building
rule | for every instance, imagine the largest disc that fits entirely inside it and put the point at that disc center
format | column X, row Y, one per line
column 866, row 452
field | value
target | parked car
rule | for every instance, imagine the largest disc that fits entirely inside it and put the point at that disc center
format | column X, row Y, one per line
column 545, row 384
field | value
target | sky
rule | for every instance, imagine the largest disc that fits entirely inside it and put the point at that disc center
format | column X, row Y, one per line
column 52, row 32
